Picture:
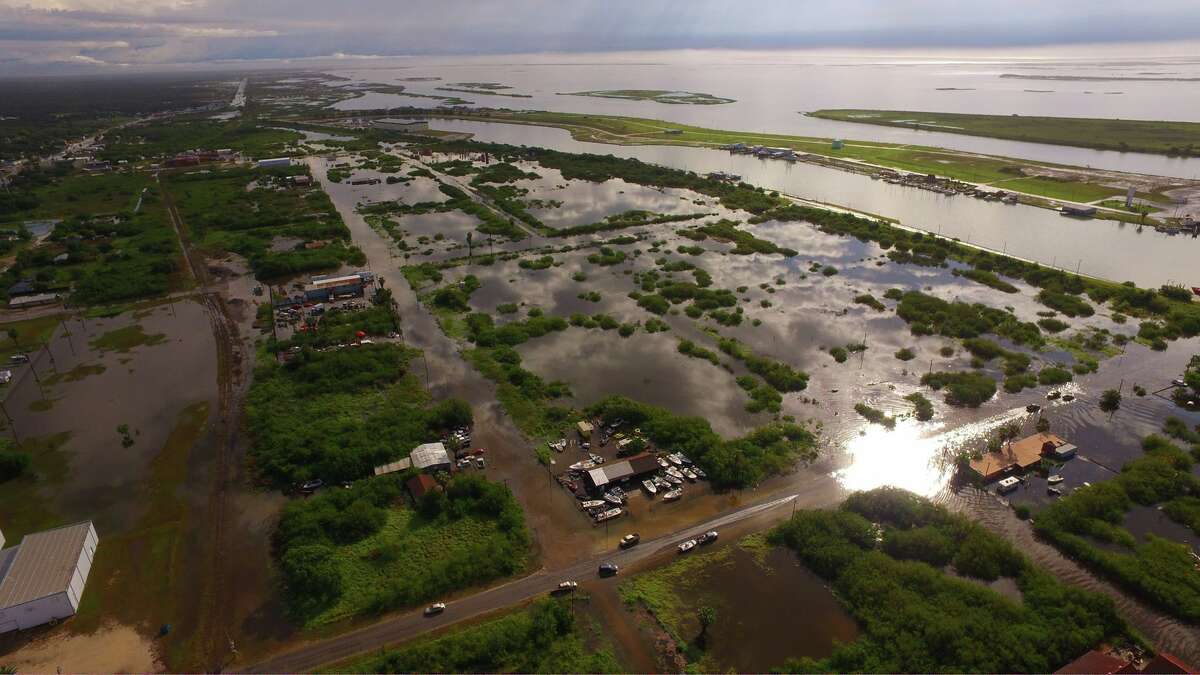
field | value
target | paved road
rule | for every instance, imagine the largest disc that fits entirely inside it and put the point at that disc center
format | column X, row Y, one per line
column 407, row 626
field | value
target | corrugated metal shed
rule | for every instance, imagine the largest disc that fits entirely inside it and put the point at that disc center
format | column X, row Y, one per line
column 429, row 454
column 44, row 564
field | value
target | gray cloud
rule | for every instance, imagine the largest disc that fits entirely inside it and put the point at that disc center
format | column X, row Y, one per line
column 48, row 34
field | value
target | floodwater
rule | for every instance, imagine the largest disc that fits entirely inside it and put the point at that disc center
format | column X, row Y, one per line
column 1100, row 248
column 155, row 382
column 773, row 89
column 807, row 312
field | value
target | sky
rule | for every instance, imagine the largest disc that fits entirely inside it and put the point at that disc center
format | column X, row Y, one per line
column 42, row 36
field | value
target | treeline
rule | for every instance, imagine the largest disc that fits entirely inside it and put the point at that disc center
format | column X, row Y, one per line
column 1169, row 313
column 884, row 553
column 544, row 638
column 1088, row 525
column 336, row 414
column 740, row 462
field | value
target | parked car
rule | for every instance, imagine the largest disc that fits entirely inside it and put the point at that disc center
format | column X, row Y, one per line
column 708, row 537
column 1178, row 382
column 630, row 540
column 19, row 358
column 480, row 463
column 435, row 609
column 566, row 586
column 311, row 485
column 609, row 570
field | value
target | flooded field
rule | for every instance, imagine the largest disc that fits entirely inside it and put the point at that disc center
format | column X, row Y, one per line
column 1024, row 231
column 750, row 586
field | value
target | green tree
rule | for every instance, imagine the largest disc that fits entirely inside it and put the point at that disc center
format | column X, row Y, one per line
column 707, row 616
column 1110, row 400
column 311, row 577
column 1043, row 425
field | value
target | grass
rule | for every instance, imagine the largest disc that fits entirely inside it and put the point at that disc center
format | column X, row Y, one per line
column 656, row 95
column 31, row 334
column 26, row 501
column 125, row 339
column 419, row 544
column 546, row 637
column 970, row 167
column 1172, row 138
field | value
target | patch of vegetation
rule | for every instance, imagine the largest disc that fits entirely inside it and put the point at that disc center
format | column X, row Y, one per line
column 125, row 339
column 875, row 415
column 345, row 553
column 905, row 354
column 922, row 407
column 906, row 605
column 782, row 377
column 870, row 301
column 335, row 414
column 544, row 638
column 744, row 242
column 987, row 278
column 1087, row 525
column 542, row 263
column 689, row 348
column 607, row 257
column 928, row 315
column 246, row 211
column 963, row 389
column 1070, row 305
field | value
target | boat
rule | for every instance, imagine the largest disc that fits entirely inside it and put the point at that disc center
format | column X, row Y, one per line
column 687, row 473
column 1053, row 395
column 662, row 482
column 672, row 479
column 699, row 473
column 613, row 499
column 1057, row 492
column 672, row 495
column 1055, row 479
column 664, row 463
column 591, row 504
column 675, row 472
column 675, row 459
column 582, row 466
column 1007, row 485
column 1032, row 407
column 683, row 458
column 687, row 546
column 1068, row 397
column 649, row 486
column 608, row 515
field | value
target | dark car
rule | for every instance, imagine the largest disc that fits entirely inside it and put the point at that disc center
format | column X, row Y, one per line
column 609, row 570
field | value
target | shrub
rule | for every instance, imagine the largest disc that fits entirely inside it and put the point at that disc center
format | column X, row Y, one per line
column 962, row 388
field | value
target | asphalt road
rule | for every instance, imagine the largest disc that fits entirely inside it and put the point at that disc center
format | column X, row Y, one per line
column 404, row 627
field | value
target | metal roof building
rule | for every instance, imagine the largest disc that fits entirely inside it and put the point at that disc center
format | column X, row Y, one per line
column 42, row 579
column 430, row 457
column 618, row 471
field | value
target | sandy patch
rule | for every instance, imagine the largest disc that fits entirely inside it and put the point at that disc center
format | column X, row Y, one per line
column 112, row 649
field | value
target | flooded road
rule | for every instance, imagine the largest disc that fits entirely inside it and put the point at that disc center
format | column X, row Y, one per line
column 1100, row 248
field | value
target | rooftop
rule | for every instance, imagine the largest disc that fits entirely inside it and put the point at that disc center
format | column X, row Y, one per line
column 1024, row 453
column 42, row 564
column 429, row 454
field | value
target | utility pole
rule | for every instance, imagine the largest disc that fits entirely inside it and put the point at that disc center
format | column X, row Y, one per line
column 11, row 425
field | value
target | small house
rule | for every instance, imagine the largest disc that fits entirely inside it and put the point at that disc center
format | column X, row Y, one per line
column 421, row 485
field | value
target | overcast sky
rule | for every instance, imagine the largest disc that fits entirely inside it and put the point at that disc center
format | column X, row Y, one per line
column 51, row 35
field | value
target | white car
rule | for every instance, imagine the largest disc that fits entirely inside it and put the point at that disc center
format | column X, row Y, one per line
column 435, row 609
column 567, row 586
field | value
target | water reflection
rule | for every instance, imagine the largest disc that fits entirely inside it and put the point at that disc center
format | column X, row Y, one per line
column 915, row 456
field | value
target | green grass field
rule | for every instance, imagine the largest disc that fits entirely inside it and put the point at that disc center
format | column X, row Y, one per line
column 1172, row 138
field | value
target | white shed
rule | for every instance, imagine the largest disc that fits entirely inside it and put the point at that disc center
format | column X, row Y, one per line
column 42, row 579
